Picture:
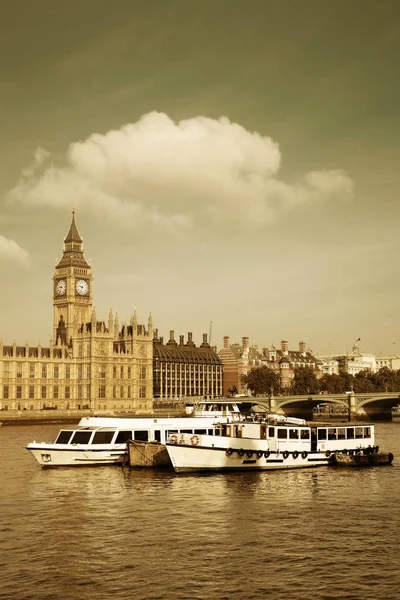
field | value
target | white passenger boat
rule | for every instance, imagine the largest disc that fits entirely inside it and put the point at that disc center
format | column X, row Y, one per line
column 103, row 440
column 266, row 445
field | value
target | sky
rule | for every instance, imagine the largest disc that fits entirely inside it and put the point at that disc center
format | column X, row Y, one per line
column 234, row 166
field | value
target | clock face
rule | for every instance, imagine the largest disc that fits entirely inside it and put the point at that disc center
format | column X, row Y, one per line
column 61, row 287
column 82, row 287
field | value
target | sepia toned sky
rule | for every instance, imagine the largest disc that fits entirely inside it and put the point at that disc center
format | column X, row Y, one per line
column 229, row 162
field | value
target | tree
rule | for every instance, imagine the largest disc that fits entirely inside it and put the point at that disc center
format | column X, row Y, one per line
column 386, row 380
column 362, row 383
column 261, row 380
column 304, row 381
column 233, row 390
column 331, row 384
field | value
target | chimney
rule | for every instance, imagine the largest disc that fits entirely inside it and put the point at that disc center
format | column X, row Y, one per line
column 190, row 341
column 302, row 347
column 226, row 341
column 181, row 342
column 204, row 338
column 171, row 341
column 161, row 340
column 155, row 334
column 284, row 346
column 245, row 342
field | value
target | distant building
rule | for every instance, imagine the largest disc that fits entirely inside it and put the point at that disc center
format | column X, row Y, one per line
column 329, row 364
column 356, row 362
column 184, row 370
column 391, row 362
column 239, row 359
column 284, row 361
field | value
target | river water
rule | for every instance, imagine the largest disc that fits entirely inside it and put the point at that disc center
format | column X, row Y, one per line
column 107, row 533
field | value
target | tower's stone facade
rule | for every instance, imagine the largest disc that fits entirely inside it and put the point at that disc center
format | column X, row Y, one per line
column 90, row 363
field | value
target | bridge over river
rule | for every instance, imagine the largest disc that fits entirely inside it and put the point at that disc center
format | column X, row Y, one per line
column 358, row 406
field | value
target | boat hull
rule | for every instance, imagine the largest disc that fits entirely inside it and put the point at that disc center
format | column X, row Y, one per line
column 52, row 455
column 187, row 459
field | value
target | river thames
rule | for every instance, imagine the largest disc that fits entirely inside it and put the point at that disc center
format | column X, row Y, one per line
column 108, row 533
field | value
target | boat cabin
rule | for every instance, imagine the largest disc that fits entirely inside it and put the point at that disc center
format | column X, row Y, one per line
column 225, row 408
column 310, row 438
column 111, row 436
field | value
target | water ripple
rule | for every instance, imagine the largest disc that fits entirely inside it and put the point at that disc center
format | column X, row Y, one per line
column 103, row 533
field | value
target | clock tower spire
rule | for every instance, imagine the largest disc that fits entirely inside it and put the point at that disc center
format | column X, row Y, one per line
column 72, row 290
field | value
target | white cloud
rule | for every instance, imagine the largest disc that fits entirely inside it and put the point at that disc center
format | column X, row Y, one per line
column 11, row 251
column 175, row 174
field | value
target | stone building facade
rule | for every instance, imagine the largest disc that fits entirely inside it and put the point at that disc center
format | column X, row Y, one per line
column 184, row 370
column 89, row 363
column 239, row 359
column 285, row 361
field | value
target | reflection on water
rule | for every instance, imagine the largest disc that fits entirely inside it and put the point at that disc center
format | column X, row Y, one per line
column 105, row 532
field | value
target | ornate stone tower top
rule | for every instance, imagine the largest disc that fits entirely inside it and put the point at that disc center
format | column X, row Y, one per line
column 73, row 249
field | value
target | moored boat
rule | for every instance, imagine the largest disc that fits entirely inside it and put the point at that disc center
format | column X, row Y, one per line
column 328, row 411
column 268, row 445
column 103, row 440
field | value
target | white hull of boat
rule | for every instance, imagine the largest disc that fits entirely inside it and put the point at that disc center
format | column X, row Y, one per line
column 57, row 455
column 186, row 459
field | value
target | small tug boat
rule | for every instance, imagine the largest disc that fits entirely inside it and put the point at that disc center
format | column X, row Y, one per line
column 365, row 458
column 266, row 444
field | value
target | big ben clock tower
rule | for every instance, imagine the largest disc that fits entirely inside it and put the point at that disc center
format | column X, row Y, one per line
column 72, row 289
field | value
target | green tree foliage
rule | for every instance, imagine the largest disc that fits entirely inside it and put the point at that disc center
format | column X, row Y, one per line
column 304, row 381
column 384, row 380
column 261, row 380
column 331, row 384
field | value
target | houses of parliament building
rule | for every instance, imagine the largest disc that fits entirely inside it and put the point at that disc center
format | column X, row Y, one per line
column 98, row 365
column 89, row 364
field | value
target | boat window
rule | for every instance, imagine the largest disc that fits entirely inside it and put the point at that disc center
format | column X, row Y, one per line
column 81, row 437
column 359, row 432
column 123, row 436
column 157, row 435
column 200, row 431
column 282, row 434
column 293, row 434
column 64, row 437
column 350, row 433
column 332, row 433
column 210, row 432
column 367, row 432
column 103, row 437
column 304, row 434
column 322, row 434
column 186, row 431
column 271, row 432
column 341, row 433
column 141, row 436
